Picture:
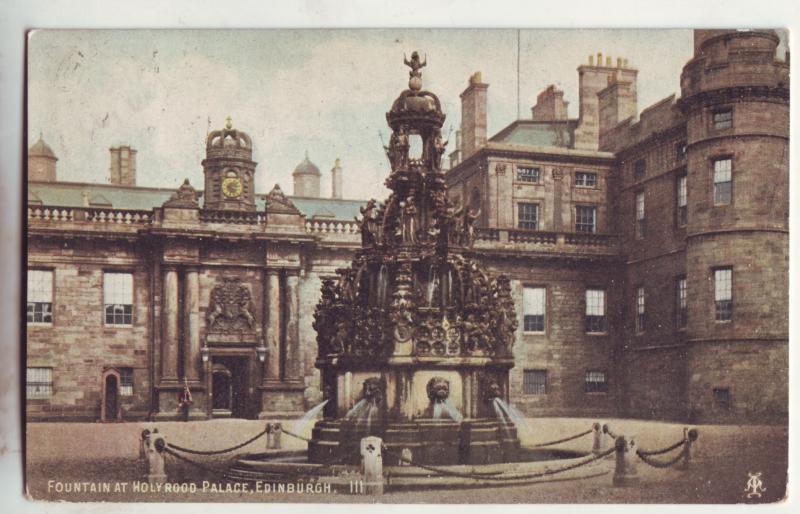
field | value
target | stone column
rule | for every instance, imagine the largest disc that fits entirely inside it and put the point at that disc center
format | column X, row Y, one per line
column 558, row 180
column 169, row 343
column 191, row 354
column 294, row 365
column 272, row 337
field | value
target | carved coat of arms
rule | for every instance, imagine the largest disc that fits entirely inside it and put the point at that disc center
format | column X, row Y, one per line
column 231, row 306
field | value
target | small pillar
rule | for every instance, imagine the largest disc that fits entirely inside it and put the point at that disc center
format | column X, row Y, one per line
column 274, row 431
column 154, row 448
column 625, row 473
column 599, row 442
column 689, row 437
column 372, row 464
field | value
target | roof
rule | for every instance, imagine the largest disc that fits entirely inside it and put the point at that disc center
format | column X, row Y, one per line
column 539, row 133
column 306, row 168
column 41, row 149
column 72, row 194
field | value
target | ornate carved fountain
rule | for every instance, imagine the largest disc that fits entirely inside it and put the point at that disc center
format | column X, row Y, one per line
column 415, row 338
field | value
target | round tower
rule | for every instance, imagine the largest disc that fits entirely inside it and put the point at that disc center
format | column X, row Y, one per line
column 229, row 170
column 41, row 162
column 336, row 180
column 735, row 96
column 306, row 177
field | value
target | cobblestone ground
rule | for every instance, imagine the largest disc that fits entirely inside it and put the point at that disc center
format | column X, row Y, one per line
column 61, row 454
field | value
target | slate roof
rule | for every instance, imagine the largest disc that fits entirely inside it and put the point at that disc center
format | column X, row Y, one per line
column 539, row 133
column 71, row 194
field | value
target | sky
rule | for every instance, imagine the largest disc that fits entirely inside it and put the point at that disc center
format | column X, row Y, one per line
column 321, row 91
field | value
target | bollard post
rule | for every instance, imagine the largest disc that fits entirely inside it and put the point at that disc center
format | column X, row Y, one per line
column 154, row 448
column 689, row 437
column 143, row 445
column 598, row 444
column 407, row 457
column 274, row 436
column 607, row 434
column 268, row 429
column 625, row 470
column 372, row 464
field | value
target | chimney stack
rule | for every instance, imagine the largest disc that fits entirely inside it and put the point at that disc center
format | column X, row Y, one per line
column 473, row 116
column 336, row 179
column 122, row 171
column 550, row 105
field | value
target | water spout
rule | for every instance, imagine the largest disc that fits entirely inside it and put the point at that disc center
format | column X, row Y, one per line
column 302, row 425
column 509, row 415
column 452, row 411
column 433, row 280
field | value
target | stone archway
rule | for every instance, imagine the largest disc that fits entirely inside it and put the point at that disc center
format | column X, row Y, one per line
column 110, row 403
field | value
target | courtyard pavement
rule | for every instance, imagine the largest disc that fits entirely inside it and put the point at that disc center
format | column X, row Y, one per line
column 59, row 454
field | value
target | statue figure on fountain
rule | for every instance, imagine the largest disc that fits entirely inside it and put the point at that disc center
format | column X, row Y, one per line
column 369, row 223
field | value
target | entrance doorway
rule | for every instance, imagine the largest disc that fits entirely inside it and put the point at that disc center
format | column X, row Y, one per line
column 110, row 407
column 229, row 387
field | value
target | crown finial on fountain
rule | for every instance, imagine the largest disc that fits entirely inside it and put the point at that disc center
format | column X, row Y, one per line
column 415, row 76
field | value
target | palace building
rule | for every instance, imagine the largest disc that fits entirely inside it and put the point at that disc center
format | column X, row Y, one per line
column 647, row 251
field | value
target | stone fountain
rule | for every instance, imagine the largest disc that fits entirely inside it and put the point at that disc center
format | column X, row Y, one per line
column 415, row 338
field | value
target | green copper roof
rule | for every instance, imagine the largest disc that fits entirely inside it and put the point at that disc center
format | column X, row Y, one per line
column 72, row 194
column 525, row 132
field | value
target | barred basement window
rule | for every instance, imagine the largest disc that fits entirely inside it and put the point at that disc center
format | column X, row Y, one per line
column 534, row 381
column 639, row 169
column 722, row 181
column 595, row 381
column 528, row 215
column 722, row 119
column 40, row 296
column 640, row 315
column 533, row 305
column 118, row 298
column 38, row 383
column 722, row 398
column 528, row 174
column 126, row 381
column 585, row 219
column 723, row 294
column 585, row 179
column 595, row 310
column 640, row 222
column 682, row 212
column 681, row 307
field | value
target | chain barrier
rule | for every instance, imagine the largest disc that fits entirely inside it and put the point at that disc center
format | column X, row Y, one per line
column 216, row 452
column 661, row 451
column 659, row 464
column 292, row 434
column 198, row 465
column 576, row 436
column 689, row 437
column 476, row 476
column 607, row 430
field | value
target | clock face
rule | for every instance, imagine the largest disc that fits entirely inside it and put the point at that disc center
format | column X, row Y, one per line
column 231, row 187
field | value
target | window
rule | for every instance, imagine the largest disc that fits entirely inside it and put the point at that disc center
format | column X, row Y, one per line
column 585, row 179
column 528, row 174
column 640, row 223
column 528, row 215
column 595, row 310
column 118, row 298
column 722, row 398
column 596, row 381
column 585, row 219
column 722, row 119
column 639, row 169
column 682, row 212
column 126, row 381
column 640, row 317
column 533, row 304
column 39, row 383
column 722, row 181
column 40, row 296
column 680, row 150
column 723, row 294
column 681, row 309
column 534, row 381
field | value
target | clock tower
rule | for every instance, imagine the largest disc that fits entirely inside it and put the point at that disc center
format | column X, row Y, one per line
column 229, row 170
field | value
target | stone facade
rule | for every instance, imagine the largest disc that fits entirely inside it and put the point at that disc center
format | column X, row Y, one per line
column 582, row 175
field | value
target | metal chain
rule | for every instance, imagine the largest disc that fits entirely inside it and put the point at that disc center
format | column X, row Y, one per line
column 295, row 435
column 203, row 467
column 540, row 445
column 656, row 464
column 474, row 476
column 216, row 452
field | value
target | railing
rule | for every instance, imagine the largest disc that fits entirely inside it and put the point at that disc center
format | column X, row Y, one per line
column 542, row 238
column 331, row 227
column 90, row 214
column 532, row 236
column 235, row 217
